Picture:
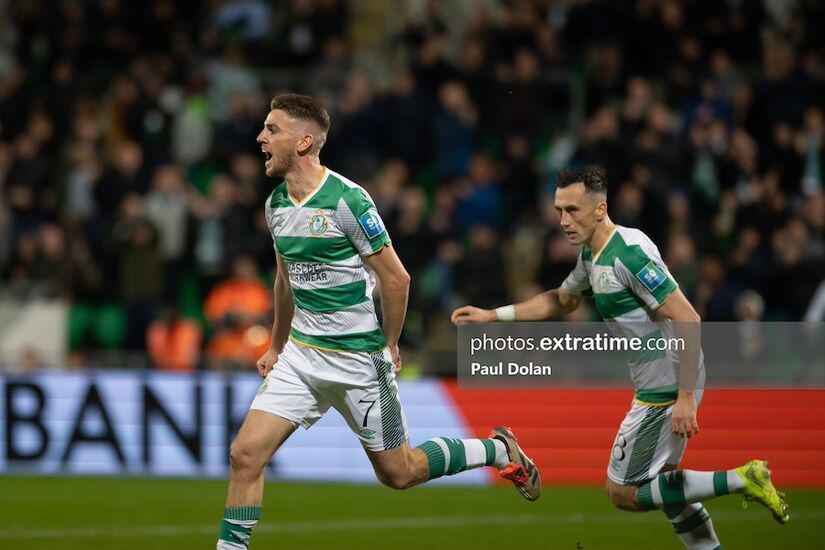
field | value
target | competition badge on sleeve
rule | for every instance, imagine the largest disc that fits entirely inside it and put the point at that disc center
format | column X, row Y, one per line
column 651, row 276
column 371, row 223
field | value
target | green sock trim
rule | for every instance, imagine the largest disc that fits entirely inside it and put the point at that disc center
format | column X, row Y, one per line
column 435, row 458
column 720, row 483
column 232, row 525
column 645, row 498
column 237, row 534
column 672, row 487
column 490, row 447
column 458, row 456
column 692, row 522
column 673, row 511
column 243, row 513
column 719, row 548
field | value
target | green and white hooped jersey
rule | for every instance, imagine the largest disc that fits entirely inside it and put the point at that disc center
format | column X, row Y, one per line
column 321, row 240
column 628, row 281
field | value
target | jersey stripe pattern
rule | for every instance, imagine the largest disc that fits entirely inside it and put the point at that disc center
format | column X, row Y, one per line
column 322, row 241
column 628, row 281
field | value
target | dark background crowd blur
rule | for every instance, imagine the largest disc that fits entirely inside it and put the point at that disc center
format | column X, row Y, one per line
column 132, row 189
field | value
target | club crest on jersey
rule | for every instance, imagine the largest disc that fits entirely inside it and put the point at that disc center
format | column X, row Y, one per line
column 371, row 223
column 651, row 276
column 318, row 224
column 603, row 282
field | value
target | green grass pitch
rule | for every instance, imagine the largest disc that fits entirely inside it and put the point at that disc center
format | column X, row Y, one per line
column 113, row 513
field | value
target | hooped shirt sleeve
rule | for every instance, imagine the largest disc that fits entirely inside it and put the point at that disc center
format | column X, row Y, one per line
column 361, row 222
column 643, row 272
column 578, row 282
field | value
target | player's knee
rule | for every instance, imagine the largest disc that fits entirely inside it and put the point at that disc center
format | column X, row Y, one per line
column 243, row 459
column 623, row 497
column 397, row 483
column 397, row 480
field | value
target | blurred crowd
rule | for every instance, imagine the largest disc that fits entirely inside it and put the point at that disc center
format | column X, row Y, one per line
column 131, row 185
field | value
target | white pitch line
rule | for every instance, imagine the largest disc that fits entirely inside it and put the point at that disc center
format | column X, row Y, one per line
column 411, row 522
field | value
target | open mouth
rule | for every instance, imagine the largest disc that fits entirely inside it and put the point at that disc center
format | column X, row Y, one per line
column 267, row 157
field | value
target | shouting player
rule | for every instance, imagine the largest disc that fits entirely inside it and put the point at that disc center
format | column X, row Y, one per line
column 327, row 348
column 633, row 290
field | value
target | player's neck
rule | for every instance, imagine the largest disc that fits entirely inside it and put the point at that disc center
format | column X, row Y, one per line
column 601, row 235
column 303, row 179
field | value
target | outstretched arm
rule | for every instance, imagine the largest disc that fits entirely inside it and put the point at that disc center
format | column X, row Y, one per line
column 552, row 303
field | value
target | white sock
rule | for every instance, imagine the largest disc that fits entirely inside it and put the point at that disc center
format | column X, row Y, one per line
column 697, row 485
column 502, row 458
column 448, row 456
column 677, row 487
column 225, row 545
column 475, row 453
column 694, row 527
column 735, row 482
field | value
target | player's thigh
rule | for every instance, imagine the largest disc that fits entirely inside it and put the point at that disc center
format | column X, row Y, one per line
column 289, row 390
column 261, row 434
column 368, row 399
column 643, row 445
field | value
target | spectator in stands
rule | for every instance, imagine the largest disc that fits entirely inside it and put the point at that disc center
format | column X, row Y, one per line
column 221, row 229
column 237, row 311
column 167, row 209
column 174, row 342
column 139, row 263
column 455, row 130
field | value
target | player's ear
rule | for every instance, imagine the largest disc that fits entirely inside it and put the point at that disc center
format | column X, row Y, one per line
column 601, row 210
column 304, row 145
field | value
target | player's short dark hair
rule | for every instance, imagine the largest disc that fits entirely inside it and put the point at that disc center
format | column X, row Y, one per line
column 592, row 177
column 302, row 107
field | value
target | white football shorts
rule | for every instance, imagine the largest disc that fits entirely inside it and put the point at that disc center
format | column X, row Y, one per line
column 645, row 444
column 306, row 382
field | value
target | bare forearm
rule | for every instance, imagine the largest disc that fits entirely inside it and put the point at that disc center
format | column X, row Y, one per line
column 688, row 330
column 544, row 306
column 552, row 303
column 394, row 296
column 284, row 309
